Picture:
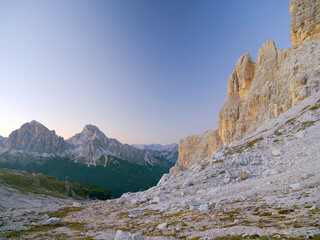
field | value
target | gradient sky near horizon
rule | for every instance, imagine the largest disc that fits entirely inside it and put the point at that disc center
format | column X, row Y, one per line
column 142, row 71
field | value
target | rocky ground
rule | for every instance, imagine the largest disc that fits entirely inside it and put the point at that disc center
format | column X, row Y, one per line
column 265, row 186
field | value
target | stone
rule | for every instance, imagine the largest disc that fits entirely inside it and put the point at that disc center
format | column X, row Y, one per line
column 157, row 199
column 163, row 179
column 295, row 186
column 120, row 235
column 305, row 21
column 306, row 176
column 299, row 134
column 314, row 207
column 191, row 204
column 205, row 208
column 76, row 204
column 243, row 176
column 276, row 152
column 52, row 221
column 226, row 180
column 136, row 236
column 162, row 225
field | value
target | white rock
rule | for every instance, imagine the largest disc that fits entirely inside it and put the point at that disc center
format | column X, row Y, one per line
column 314, row 207
column 226, row 180
column 120, row 235
column 191, row 204
column 295, row 186
column 76, row 204
column 162, row 225
column 299, row 134
column 201, row 192
column 163, row 179
column 205, row 208
column 136, row 236
column 276, row 152
column 188, row 183
column 213, row 191
column 52, row 221
column 143, row 200
column 307, row 118
column 157, row 199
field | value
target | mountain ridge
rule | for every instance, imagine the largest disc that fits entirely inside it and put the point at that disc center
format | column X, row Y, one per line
column 89, row 146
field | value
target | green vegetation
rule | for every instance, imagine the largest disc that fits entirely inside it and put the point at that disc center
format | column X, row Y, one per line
column 42, row 231
column 119, row 176
column 314, row 108
column 305, row 125
column 50, row 185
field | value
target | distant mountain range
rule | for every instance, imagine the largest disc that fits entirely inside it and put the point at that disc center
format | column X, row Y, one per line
column 170, row 151
column 34, row 148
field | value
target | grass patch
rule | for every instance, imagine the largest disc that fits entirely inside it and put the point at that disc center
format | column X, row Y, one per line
column 250, row 144
column 286, row 211
column 290, row 121
column 305, row 125
column 51, row 185
column 314, row 108
column 63, row 212
column 44, row 230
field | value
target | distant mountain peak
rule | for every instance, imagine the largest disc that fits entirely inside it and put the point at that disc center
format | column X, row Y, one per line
column 34, row 139
column 91, row 131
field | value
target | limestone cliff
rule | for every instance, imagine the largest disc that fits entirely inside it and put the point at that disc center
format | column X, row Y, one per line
column 258, row 92
column 305, row 23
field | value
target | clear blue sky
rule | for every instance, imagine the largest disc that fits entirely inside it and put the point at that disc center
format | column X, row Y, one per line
column 142, row 71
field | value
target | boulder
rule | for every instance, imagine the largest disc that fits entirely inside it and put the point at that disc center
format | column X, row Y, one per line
column 276, row 152
column 162, row 225
column 205, row 208
column 191, row 204
column 299, row 134
column 120, row 235
column 157, row 199
column 52, row 221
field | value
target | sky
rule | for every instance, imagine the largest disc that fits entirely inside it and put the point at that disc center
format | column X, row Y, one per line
column 142, row 71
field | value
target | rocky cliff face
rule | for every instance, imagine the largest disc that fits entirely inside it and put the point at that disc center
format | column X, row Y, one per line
column 34, row 139
column 258, row 92
column 305, row 24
